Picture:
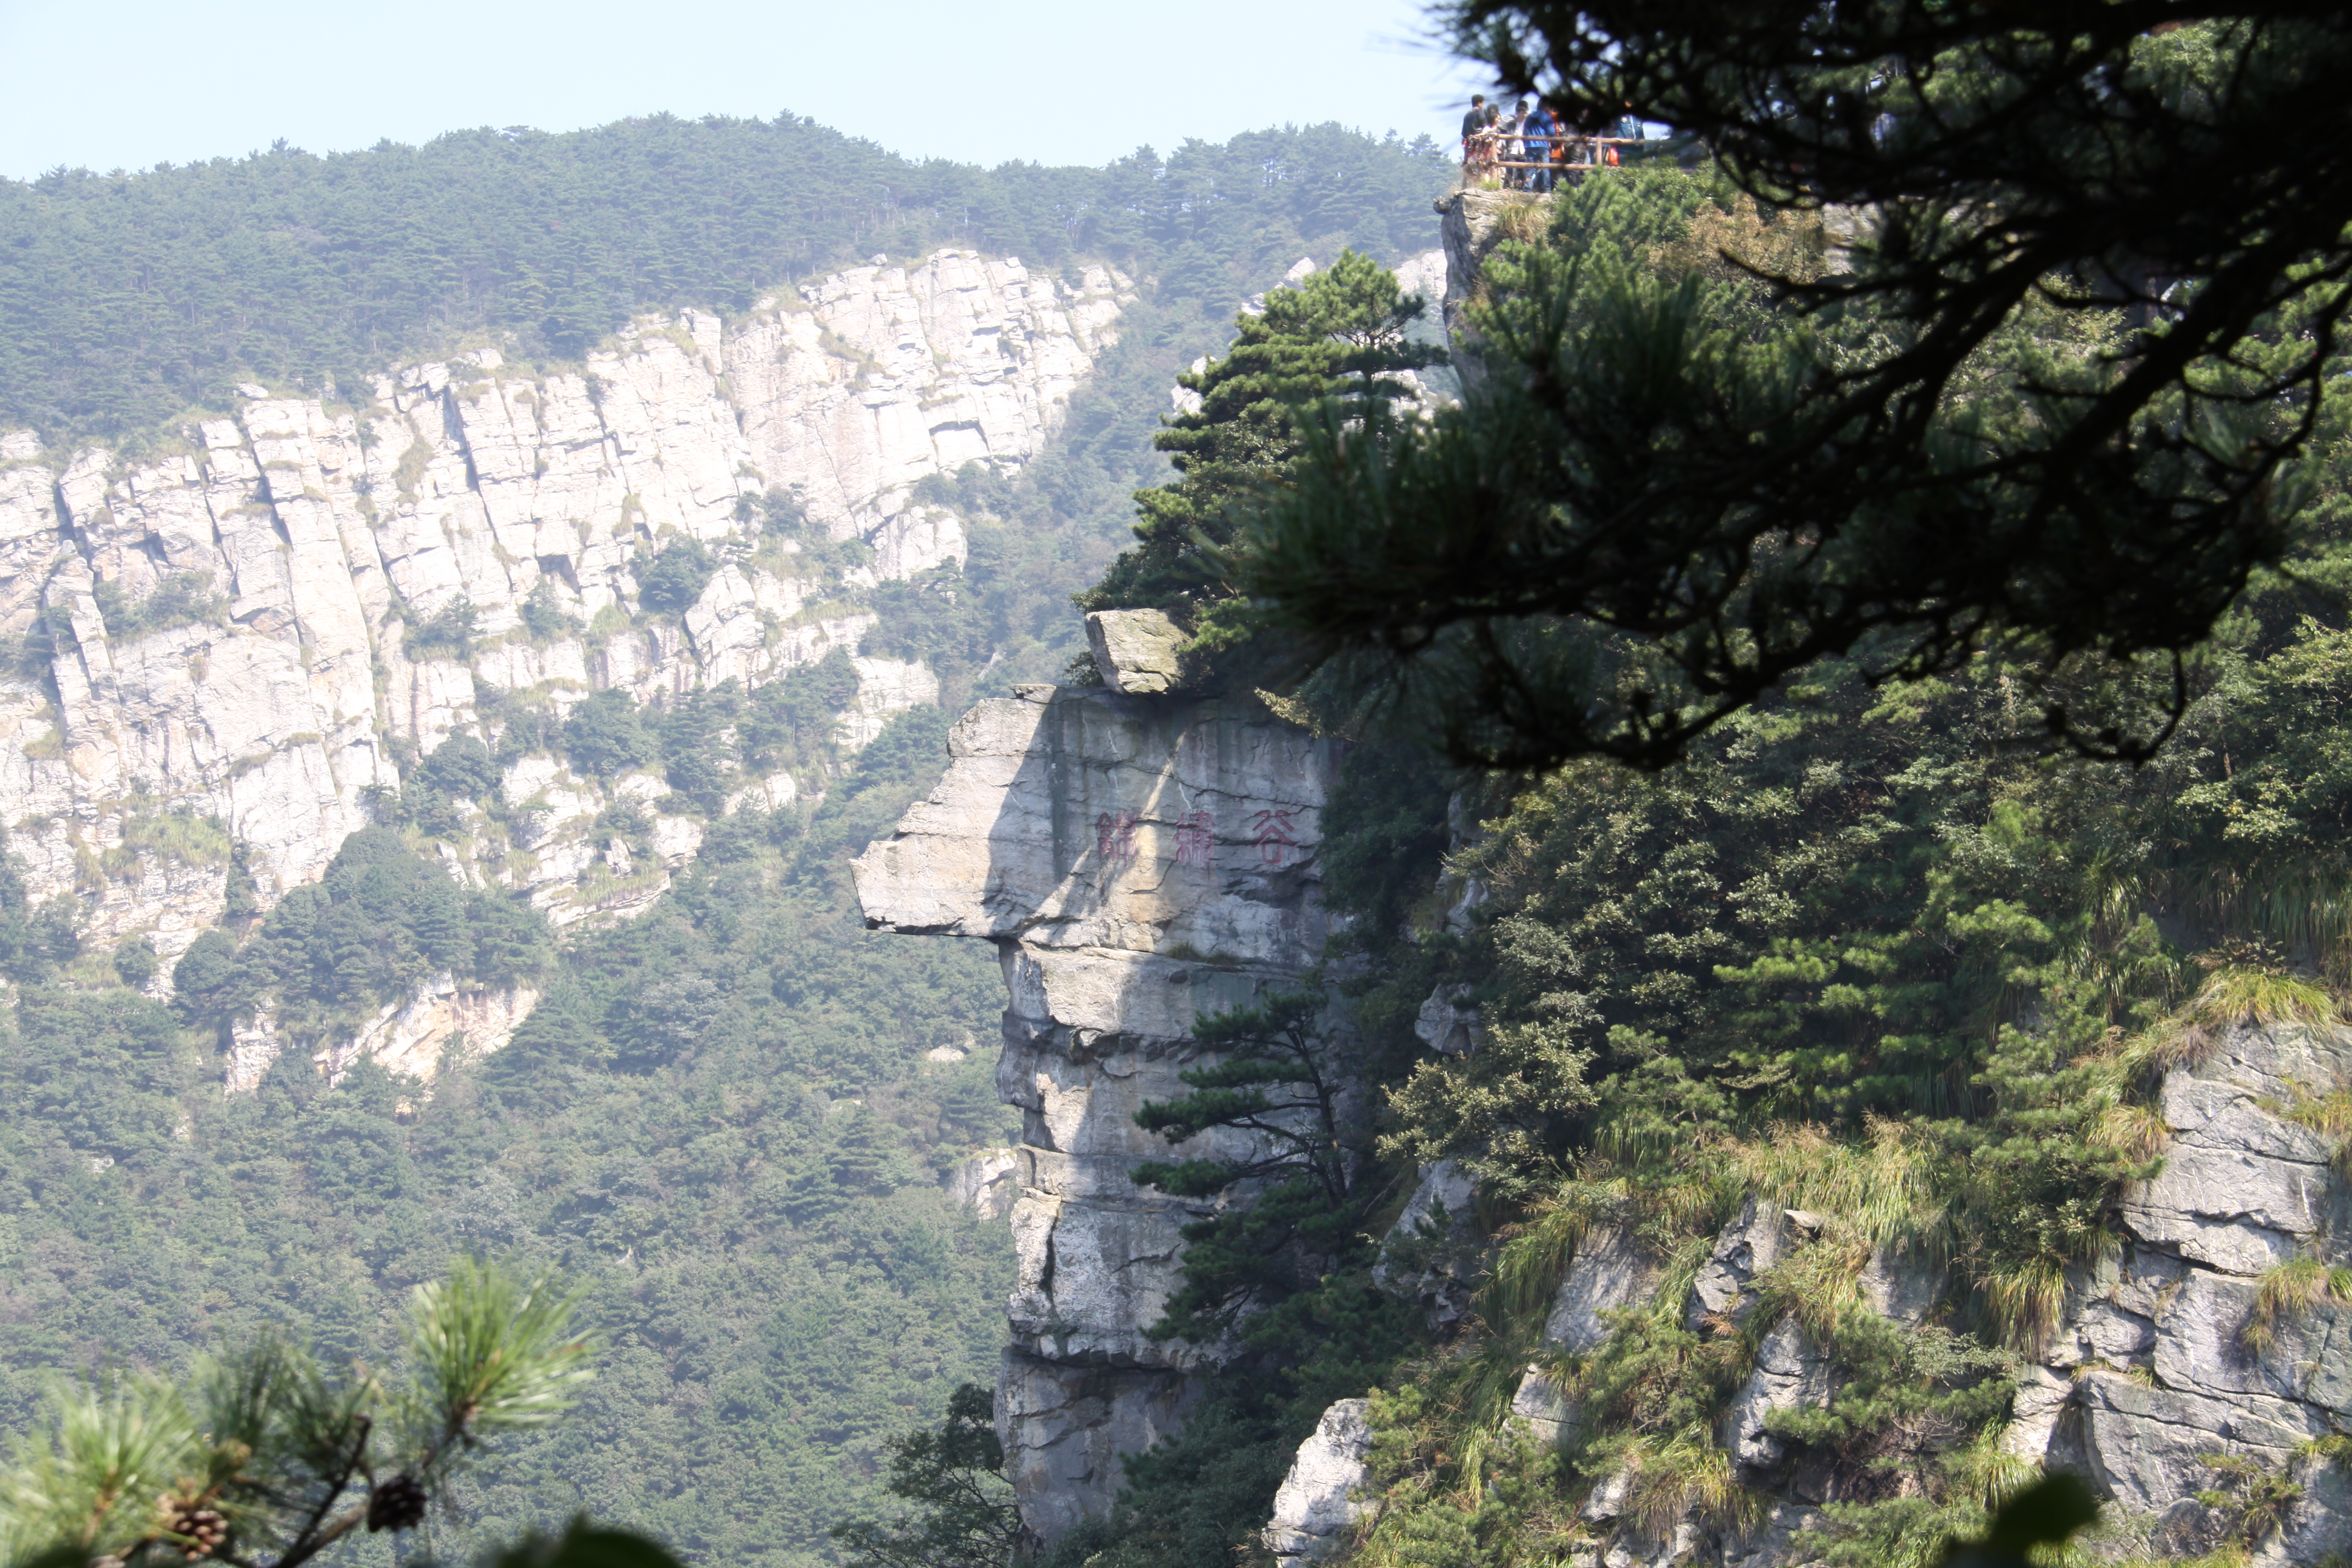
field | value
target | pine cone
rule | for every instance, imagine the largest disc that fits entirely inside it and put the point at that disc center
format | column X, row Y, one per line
column 201, row 1529
column 396, row 1504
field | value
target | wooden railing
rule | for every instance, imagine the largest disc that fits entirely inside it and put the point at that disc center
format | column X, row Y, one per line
column 1588, row 146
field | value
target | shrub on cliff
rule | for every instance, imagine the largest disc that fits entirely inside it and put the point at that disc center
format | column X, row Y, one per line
column 380, row 921
column 1862, row 956
column 181, row 599
column 792, row 723
column 672, row 578
column 1338, row 336
column 448, row 633
column 603, row 737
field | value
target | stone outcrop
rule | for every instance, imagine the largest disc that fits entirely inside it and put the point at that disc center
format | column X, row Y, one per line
column 1612, row 1270
column 407, row 1037
column 1137, row 650
column 329, row 533
column 1749, row 1245
column 1319, row 1500
column 1447, row 1023
column 1473, row 224
column 1139, row 862
column 988, row 1183
column 1436, row 1251
column 1609, row 1271
column 2152, row 1372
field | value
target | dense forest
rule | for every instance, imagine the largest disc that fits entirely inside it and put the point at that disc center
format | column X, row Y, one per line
column 720, row 1123
column 727, row 1120
column 128, row 300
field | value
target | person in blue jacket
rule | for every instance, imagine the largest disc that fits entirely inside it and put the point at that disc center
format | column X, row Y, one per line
column 1537, row 135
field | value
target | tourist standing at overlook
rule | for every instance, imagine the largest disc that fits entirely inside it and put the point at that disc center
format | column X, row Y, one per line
column 1472, row 123
column 1482, row 148
column 1537, row 130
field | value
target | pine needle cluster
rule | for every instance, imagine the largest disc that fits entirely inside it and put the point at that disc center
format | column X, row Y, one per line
column 267, row 1458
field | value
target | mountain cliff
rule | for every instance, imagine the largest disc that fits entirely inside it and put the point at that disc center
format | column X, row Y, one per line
column 584, row 513
column 1140, row 862
column 2117, row 1255
column 227, row 649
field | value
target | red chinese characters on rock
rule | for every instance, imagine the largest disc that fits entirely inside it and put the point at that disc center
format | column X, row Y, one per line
column 1273, row 837
column 1196, row 839
column 1115, row 837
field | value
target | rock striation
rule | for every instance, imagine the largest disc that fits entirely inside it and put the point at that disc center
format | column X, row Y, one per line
column 1139, row 862
column 219, row 645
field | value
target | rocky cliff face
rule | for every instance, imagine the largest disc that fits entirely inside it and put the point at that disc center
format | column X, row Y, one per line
column 143, row 730
column 1472, row 224
column 2161, row 1361
column 1140, row 861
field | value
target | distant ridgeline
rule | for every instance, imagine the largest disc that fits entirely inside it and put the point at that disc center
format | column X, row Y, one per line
column 128, row 300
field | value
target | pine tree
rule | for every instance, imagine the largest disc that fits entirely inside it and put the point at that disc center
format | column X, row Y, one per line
column 1277, row 1078
column 268, row 1458
column 2055, row 393
column 964, row 1514
column 1338, row 338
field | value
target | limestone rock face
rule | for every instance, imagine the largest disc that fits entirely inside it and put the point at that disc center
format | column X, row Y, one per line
column 2242, row 1186
column 1447, row 1024
column 1435, row 1251
column 1748, row 1245
column 1790, row 1375
column 988, row 1183
column 2241, row 1189
column 409, row 1038
column 1317, row 1502
column 1140, row 863
column 329, row 534
column 1611, row 1271
column 1546, row 1407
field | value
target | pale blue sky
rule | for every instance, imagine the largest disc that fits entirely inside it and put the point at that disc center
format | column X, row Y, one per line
column 124, row 83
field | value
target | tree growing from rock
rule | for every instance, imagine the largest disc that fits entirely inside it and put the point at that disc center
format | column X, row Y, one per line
column 1277, row 1083
column 1338, row 338
column 963, row 1515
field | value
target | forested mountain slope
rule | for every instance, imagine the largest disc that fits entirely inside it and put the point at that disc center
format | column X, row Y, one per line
column 568, row 684
column 127, row 299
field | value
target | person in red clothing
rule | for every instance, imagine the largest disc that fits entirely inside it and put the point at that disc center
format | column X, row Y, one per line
column 1471, row 124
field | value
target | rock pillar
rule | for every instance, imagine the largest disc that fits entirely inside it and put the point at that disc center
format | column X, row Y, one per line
column 1140, row 862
